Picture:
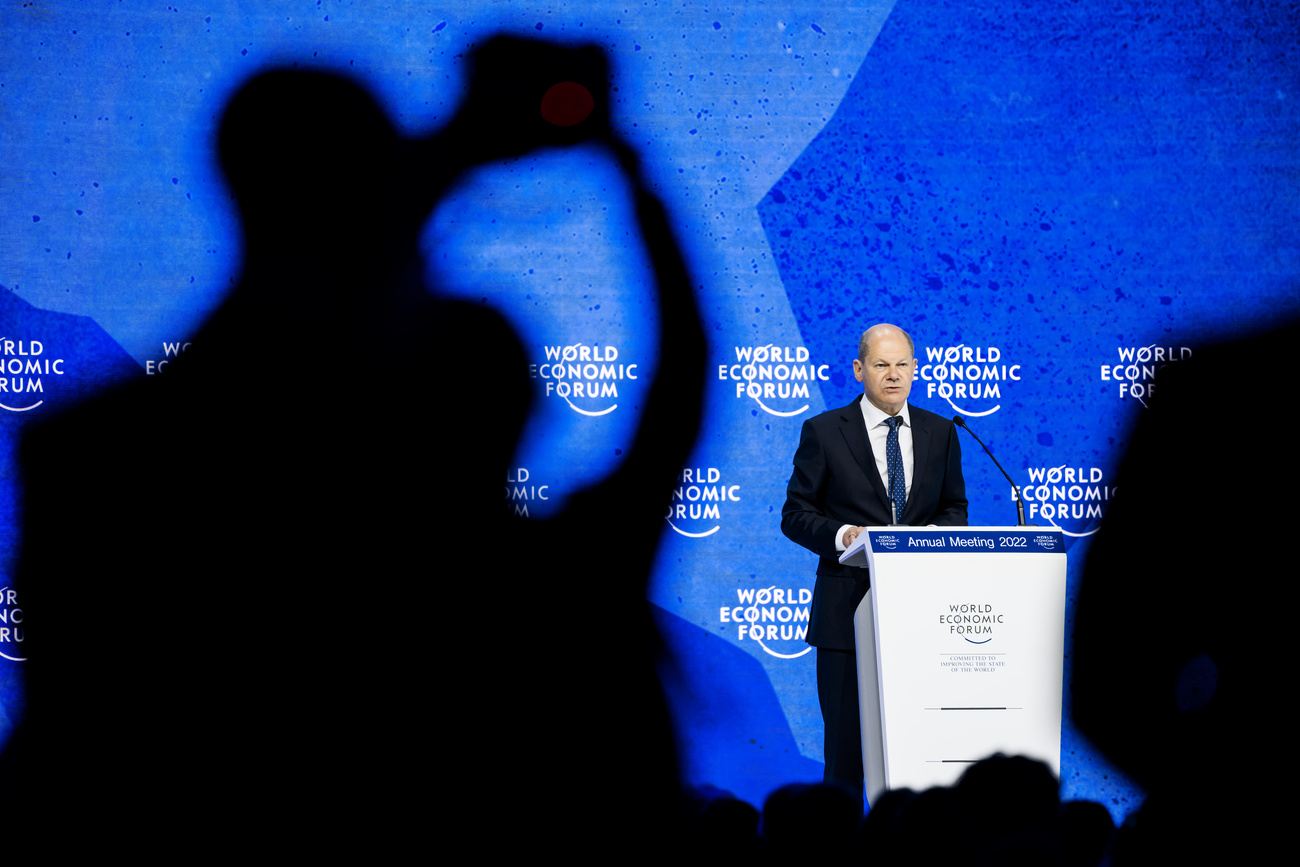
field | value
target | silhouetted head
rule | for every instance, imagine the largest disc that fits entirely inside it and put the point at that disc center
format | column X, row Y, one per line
column 804, row 817
column 1024, row 790
column 311, row 159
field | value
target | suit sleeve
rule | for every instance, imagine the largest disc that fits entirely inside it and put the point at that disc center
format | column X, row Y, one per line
column 951, row 511
column 803, row 518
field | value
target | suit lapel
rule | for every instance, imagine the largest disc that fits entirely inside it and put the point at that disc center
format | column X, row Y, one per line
column 922, row 447
column 854, row 430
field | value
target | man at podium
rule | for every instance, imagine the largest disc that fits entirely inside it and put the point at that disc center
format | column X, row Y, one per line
column 877, row 461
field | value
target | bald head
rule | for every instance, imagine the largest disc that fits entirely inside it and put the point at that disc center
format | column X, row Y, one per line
column 884, row 328
column 885, row 366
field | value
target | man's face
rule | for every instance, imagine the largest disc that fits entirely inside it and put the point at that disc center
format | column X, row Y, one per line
column 887, row 374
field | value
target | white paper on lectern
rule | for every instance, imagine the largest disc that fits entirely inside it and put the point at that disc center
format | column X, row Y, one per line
column 960, row 650
column 856, row 554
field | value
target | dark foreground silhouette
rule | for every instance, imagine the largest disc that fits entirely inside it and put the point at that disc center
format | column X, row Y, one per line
column 280, row 599
column 1178, row 653
column 1003, row 812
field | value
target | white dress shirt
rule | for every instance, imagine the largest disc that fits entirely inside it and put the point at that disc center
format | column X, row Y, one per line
column 878, row 433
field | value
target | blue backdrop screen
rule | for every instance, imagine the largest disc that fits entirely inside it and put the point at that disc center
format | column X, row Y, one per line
column 1055, row 198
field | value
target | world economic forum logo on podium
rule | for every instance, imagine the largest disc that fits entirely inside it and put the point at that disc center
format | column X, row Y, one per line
column 1045, row 543
column 973, row 622
column 884, row 541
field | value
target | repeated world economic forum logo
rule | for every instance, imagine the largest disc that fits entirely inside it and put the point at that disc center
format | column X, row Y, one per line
column 522, row 490
column 774, row 377
column 586, row 377
column 970, row 378
column 1138, row 366
column 698, row 500
column 1067, row 497
column 11, row 626
column 171, row 351
column 25, row 369
column 776, row 618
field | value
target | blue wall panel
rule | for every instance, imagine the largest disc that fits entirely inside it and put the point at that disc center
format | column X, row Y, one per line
column 1053, row 197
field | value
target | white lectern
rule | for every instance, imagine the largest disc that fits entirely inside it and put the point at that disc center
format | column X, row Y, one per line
column 960, row 646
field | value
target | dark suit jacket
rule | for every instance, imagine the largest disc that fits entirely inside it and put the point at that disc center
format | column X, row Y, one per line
column 835, row 482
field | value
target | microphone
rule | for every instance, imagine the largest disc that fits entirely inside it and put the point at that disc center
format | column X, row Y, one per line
column 1020, row 506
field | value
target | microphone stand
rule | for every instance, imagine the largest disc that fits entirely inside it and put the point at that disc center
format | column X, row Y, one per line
column 1020, row 505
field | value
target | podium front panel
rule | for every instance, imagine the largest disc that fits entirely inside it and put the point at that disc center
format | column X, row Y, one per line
column 969, row 635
